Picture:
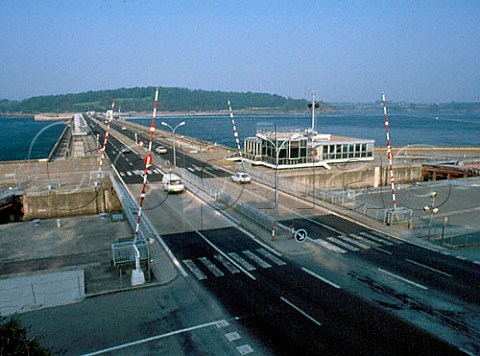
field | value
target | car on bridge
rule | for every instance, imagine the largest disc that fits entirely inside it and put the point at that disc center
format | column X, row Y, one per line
column 161, row 150
column 241, row 177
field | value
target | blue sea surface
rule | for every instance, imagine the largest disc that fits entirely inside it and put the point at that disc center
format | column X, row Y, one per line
column 25, row 138
column 449, row 129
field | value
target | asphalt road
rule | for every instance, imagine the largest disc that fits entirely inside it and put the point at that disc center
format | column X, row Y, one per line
column 427, row 268
column 360, row 292
column 289, row 310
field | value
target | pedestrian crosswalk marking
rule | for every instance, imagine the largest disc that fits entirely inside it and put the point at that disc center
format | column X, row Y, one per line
column 342, row 244
column 353, row 242
column 211, row 267
column 257, row 259
column 377, row 239
column 329, row 245
column 365, row 240
column 200, row 265
column 194, row 269
column 228, row 265
column 245, row 264
column 271, row 257
column 138, row 172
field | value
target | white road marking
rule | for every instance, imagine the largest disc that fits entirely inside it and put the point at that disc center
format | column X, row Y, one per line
column 343, row 244
column 231, row 268
column 211, row 267
column 384, row 251
column 301, row 311
column 233, row 336
column 403, row 279
column 375, row 238
column 194, row 269
column 244, row 349
column 257, row 259
column 329, row 246
column 245, row 264
column 324, row 280
column 353, row 242
column 226, row 255
column 153, row 338
column 428, row 267
column 365, row 240
column 271, row 257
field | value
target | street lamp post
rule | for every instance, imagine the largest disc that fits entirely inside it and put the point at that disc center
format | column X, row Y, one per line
column 430, row 211
column 277, row 153
column 173, row 135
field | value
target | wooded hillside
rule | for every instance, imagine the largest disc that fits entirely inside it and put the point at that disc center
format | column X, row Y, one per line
column 169, row 100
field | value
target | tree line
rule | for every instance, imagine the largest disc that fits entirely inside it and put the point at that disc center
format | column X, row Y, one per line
column 170, row 99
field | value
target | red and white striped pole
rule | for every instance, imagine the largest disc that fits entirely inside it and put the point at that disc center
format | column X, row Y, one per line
column 148, row 163
column 389, row 152
column 105, row 139
column 235, row 133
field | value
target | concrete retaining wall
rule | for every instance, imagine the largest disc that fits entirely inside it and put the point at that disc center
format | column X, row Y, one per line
column 55, row 204
column 352, row 178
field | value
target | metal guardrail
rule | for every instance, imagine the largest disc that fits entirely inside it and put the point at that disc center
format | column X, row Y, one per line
column 344, row 198
column 122, row 252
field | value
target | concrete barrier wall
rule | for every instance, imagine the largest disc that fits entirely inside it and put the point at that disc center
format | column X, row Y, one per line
column 55, row 204
column 352, row 178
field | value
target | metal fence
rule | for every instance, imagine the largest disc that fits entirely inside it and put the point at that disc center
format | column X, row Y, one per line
column 344, row 198
column 123, row 252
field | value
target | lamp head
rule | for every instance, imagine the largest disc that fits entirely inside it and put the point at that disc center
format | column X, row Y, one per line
column 426, row 209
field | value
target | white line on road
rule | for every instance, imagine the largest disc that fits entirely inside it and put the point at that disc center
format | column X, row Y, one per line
column 226, row 255
column 321, row 278
column 384, row 251
column 428, row 267
column 403, row 279
column 301, row 311
column 153, row 338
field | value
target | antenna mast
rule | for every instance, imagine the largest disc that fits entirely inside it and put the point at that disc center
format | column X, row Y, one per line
column 313, row 105
column 389, row 152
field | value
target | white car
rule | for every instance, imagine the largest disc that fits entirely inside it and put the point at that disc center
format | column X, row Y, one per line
column 241, row 177
column 160, row 150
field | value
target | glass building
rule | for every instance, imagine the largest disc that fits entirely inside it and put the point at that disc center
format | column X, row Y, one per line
column 304, row 150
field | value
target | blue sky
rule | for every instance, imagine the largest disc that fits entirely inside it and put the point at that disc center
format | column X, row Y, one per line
column 416, row 51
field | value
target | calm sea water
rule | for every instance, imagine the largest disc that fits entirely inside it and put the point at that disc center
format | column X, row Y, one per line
column 405, row 128
column 25, row 138
column 22, row 138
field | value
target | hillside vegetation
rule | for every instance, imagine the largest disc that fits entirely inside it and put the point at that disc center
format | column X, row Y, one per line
column 169, row 100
